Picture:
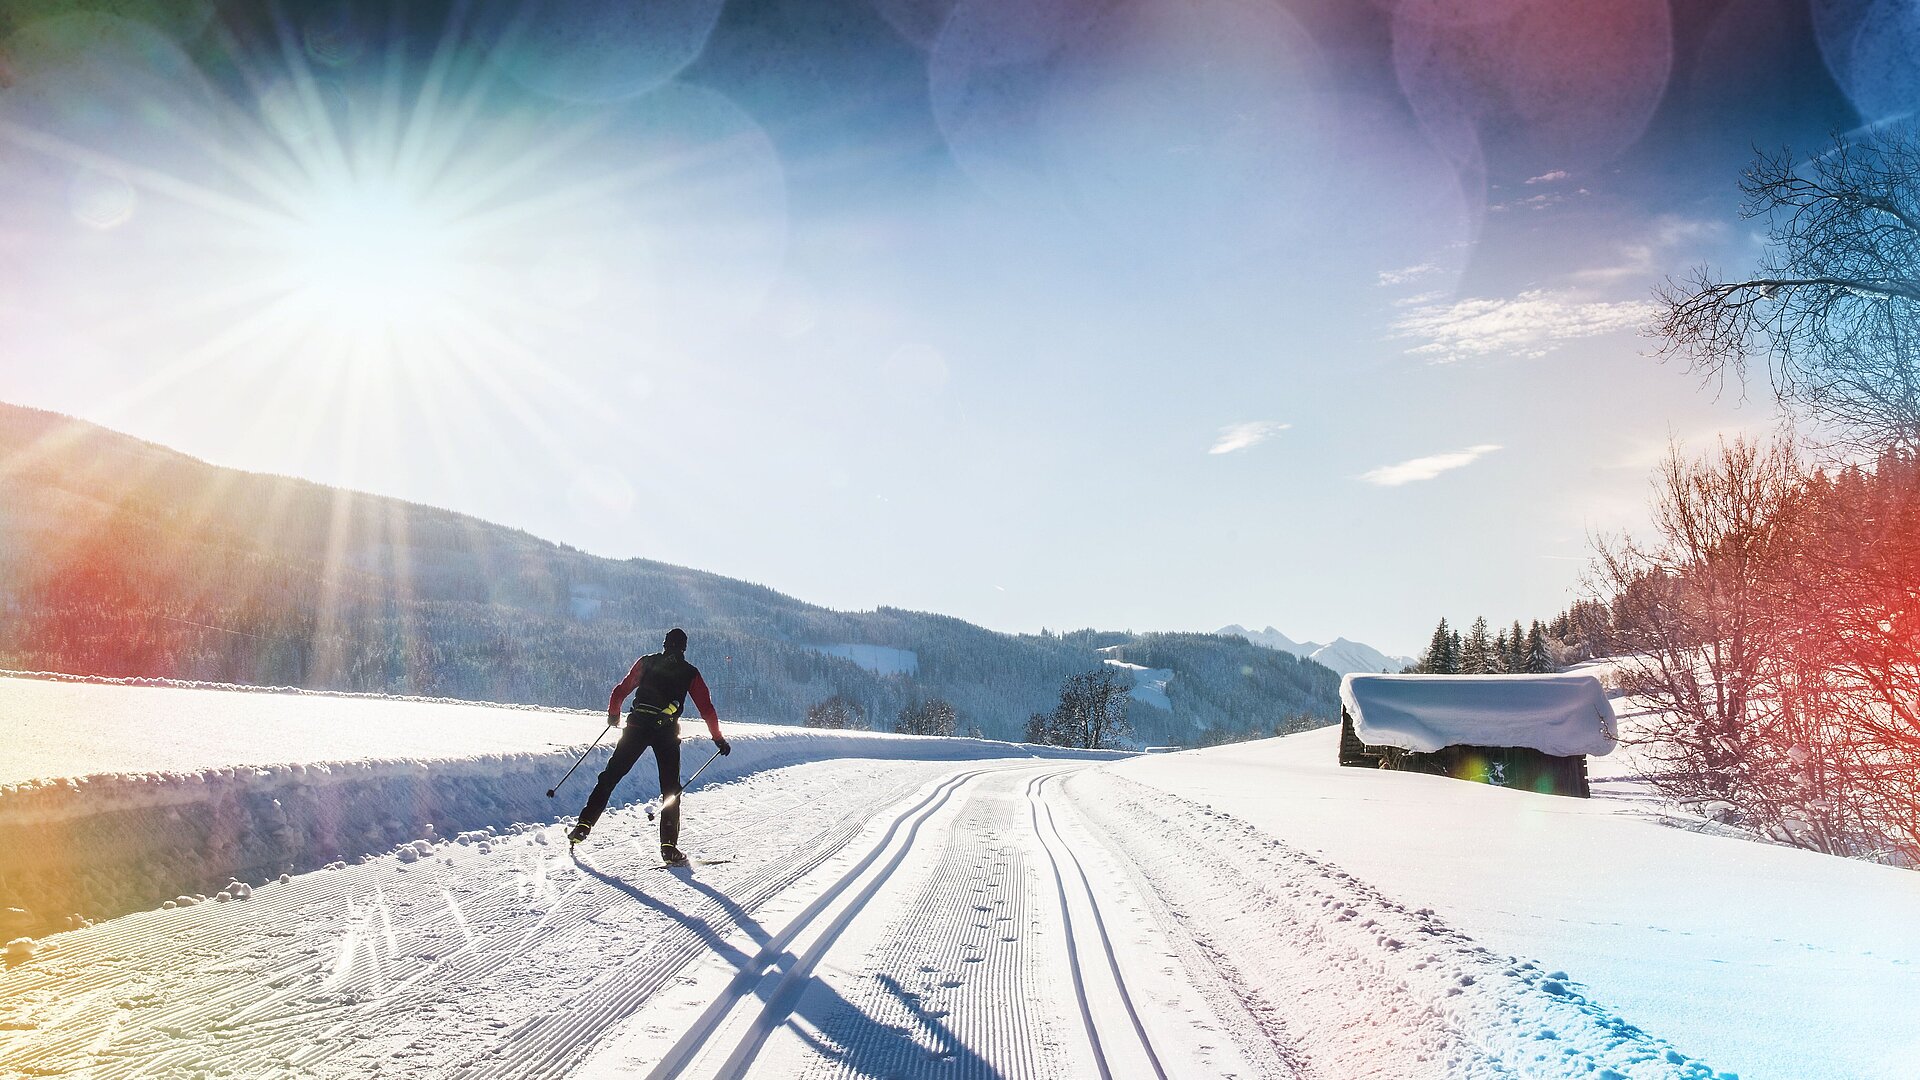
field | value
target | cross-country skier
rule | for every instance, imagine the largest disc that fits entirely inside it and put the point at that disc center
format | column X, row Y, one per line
column 659, row 684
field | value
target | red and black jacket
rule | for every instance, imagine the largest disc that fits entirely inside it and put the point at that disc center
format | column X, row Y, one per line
column 660, row 684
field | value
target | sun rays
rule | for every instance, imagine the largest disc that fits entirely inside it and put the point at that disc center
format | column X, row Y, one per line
column 390, row 237
column 355, row 247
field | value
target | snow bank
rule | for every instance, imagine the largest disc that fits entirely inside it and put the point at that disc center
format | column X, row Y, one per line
column 1554, row 714
column 81, row 727
column 100, row 843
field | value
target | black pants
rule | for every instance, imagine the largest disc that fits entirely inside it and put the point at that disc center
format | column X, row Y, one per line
column 662, row 734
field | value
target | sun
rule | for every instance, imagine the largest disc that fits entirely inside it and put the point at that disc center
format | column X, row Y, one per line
column 373, row 261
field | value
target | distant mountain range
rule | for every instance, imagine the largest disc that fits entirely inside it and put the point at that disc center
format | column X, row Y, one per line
column 120, row 557
column 1343, row 656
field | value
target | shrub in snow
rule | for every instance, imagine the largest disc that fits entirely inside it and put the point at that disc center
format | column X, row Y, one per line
column 1766, row 624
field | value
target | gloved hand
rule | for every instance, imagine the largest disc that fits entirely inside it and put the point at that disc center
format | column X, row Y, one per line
column 613, row 719
column 721, row 742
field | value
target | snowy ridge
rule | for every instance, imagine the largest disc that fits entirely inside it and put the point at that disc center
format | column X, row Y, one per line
column 1149, row 684
column 104, row 845
column 1347, row 657
column 1343, row 656
column 298, row 691
column 879, row 659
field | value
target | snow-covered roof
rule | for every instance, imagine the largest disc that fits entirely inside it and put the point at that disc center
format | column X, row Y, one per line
column 1554, row 714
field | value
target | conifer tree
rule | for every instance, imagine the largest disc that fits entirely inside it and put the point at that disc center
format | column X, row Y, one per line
column 1539, row 660
column 1476, row 651
column 1440, row 652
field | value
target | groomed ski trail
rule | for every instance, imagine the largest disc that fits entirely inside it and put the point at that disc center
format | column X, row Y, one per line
column 939, row 953
column 502, row 958
column 990, row 918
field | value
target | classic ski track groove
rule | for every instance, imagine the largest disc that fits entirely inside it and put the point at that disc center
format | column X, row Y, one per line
column 251, row 1026
column 959, row 965
column 1051, row 839
column 1426, row 1042
column 1395, row 978
column 779, row 1001
column 1271, row 1047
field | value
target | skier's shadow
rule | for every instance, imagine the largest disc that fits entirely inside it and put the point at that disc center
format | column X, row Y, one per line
column 865, row 1044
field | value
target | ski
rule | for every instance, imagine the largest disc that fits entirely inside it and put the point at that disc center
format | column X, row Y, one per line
column 692, row 862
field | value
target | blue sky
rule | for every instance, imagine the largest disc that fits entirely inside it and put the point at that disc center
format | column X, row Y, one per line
column 1149, row 315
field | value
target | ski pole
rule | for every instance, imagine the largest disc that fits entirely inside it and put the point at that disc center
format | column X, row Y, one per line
column 688, row 784
column 583, row 757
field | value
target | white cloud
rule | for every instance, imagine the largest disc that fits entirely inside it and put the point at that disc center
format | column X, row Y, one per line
column 1241, row 436
column 1548, row 178
column 1426, row 468
column 1532, row 324
column 1407, row 273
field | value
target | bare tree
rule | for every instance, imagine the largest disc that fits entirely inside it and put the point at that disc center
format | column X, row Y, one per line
column 1093, row 710
column 838, row 712
column 1849, row 599
column 931, row 717
column 1039, row 729
column 1693, row 613
column 1834, row 307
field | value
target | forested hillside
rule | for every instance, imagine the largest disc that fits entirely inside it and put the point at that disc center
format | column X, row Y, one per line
column 119, row 557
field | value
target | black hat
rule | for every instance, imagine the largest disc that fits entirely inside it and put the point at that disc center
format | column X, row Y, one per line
column 676, row 640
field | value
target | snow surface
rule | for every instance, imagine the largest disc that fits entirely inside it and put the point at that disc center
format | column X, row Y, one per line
column 1554, row 714
column 71, row 728
column 1769, row 962
column 1149, row 684
column 901, row 906
column 879, row 659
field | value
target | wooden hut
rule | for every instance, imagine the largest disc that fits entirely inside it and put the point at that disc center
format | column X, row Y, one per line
column 1532, row 732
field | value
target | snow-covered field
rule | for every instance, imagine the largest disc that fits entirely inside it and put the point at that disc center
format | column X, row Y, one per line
column 897, row 906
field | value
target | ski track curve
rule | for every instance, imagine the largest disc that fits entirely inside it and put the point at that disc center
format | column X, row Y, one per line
column 1111, row 1044
column 1386, row 991
column 469, row 970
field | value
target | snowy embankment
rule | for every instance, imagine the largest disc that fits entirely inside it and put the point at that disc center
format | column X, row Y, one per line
column 1766, row 961
column 115, row 798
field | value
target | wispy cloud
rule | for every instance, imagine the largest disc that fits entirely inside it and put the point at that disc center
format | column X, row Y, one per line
column 1407, row 274
column 1241, row 436
column 1646, row 256
column 1541, row 201
column 1426, row 468
column 1553, row 177
column 1532, row 324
